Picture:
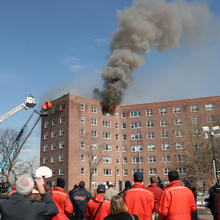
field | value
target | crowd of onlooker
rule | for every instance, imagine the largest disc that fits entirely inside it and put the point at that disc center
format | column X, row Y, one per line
column 35, row 199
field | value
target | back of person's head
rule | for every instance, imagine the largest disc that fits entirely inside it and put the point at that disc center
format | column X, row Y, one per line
column 138, row 177
column 24, row 185
column 60, row 182
column 75, row 186
column 117, row 205
column 101, row 188
column 153, row 180
column 127, row 184
column 173, row 175
column 82, row 184
column 49, row 183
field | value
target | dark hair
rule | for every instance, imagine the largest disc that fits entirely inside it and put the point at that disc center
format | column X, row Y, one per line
column 153, row 180
column 173, row 175
column 82, row 184
column 138, row 177
column 127, row 184
column 110, row 186
column 75, row 186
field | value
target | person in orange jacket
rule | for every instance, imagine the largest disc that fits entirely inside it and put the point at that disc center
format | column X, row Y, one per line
column 177, row 201
column 98, row 207
column 139, row 200
column 62, row 201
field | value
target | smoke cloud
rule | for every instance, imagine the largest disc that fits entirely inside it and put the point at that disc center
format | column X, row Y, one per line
column 148, row 24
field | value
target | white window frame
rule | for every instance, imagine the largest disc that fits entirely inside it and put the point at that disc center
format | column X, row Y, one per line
column 178, row 121
column 53, row 134
column 95, row 171
column 137, row 160
column 152, row 159
column 93, row 121
column 194, row 108
column 106, row 124
column 52, row 159
column 163, row 123
column 62, row 119
column 149, row 112
column 135, row 114
column 182, row 170
column 166, row 171
column 61, row 145
column 135, row 124
column 152, row 171
column 164, row 134
column 107, row 147
column 136, row 148
column 179, row 145
column 209, row 107
column 165, row 146
column 82, row 171
column 125, row 160
column 125, row 172
column 166, row 158
column 61, row 132
column 176, row 109
column 150, row 135
column 162, row 111
column 61, row 171
column 53, row 146
column 107, row 172
column 94, row 133
column 46, row 148
column 196, row 120
column 107, row 160
column 136, row 136
column 150, row 123
column 94, row 109
column 151, row 147
column 179, row 133
column 61, row 158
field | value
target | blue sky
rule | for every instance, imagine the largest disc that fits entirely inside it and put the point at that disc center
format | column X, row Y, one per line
column 51, row 47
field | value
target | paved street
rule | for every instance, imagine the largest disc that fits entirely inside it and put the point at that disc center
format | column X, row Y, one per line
column 204, row 214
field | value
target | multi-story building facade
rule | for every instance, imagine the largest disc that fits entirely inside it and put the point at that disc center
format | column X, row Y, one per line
column 79, row 143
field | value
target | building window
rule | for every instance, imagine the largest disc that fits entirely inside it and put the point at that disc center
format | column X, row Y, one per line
column 123, row 125
column 107, row 172
column 94, row 185
column 116, row 125
column 150, row 135
column 61, row 145
column 210, row 118
column 150, row 124
column 166, row 171
column 163, row 123
column 124, row 149
column 94, row 133
column 82, row 107
column 116, row 137
column 61, row 158
column 82, row 145
column 117, row 160
column 198, row 144
column 106, row 123
column 53, row 172
column 164, row 134
column 179, row 146
column 53, row 146
column 45, row 160
column 136, row 136
column 166, row 158
column 179, row 133
column 46, row 136
column 165, row 146
column 46, row 124
column 94, row 171
column 82, row 119
column 106, row 135
column 82, row 157
column 125, row 172
column 136, row 124
column 136, row 148
column 124, row 137
column 176, row 109
column 94, row 109
column 125, row 160
column 116, row 114
column 82, row 132
column 162, row 111
column 180, row 158
column 182, row 170
column 135, row 114
column 94, row 159
column 209, row 107
column 107, row 147
column 151, row 147
column 149, row 112
column 195, row 120
column 194, row 108
column 137, row 160
column 152, row 171
column 117, row 148
column 53, row 134
column 62, row 119
column 123, row 115
column 46, row 148
column 107, row 160
column 82, row 171
column 53, row 122
column 137, row 170
column 61, row 171
column 178, row 121
column 61, row 132
column 94, row 146
column 152, row 159
column 52, row 159
column 196, row 133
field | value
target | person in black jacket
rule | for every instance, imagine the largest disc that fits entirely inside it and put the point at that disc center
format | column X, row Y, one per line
column 127, row 186
column 20, row 206
column 79, row 200
column 213, row 199
column 119, row 210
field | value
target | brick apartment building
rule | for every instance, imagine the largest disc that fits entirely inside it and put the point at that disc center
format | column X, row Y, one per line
column 150, row 137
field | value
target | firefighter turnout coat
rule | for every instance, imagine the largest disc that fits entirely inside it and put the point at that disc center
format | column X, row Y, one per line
column 140, row 201
column 177, row 202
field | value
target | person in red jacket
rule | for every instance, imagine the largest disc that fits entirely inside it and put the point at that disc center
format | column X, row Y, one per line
column 98, row 207
column 139, row 200
column 62, row 201
column 157, row 191
column 177, row 201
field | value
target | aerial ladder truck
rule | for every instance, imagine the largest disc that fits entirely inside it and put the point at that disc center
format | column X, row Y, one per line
column 17, row 144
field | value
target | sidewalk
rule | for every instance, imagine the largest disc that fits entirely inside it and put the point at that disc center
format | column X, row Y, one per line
column 204, row 214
